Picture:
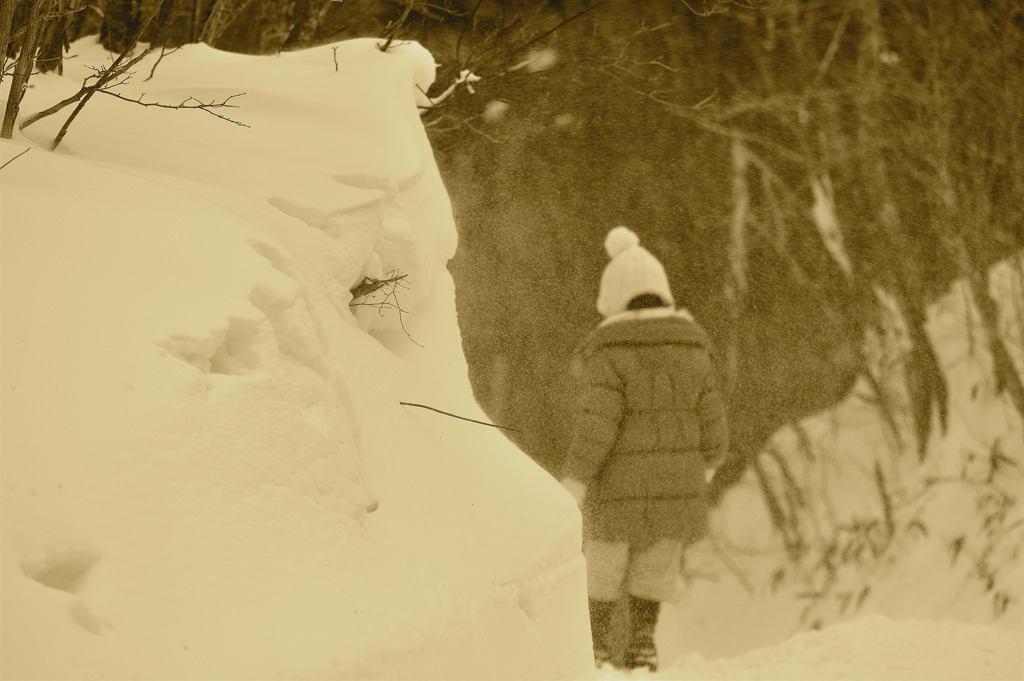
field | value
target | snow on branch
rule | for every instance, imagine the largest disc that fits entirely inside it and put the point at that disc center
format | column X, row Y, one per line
column 824, row 214
column 466, row 77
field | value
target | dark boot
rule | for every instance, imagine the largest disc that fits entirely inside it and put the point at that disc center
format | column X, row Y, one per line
column 600, row 623
column 640, row 651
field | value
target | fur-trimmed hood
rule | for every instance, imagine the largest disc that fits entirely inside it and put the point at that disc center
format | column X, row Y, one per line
column 656, row 326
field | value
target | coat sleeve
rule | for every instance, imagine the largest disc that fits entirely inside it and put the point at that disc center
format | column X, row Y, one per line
column 599, row 410
column 714, row 436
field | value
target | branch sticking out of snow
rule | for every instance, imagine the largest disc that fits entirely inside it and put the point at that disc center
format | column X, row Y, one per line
column 12, row 160
column 369, row 286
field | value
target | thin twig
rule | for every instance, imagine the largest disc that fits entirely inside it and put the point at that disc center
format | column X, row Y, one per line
column 115, row 70
column 202, row 106
column 883, row 492
column 27, row 149
column 833, row 47
column 163, row 53
column 456, row 416
column 370, row 285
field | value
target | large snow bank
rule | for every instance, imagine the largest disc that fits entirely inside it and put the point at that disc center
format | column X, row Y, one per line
column 207, row 471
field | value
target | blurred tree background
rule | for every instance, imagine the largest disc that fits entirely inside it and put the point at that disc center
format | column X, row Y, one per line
column 807, row 170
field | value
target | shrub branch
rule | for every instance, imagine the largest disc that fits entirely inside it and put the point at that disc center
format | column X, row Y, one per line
column 188, row 103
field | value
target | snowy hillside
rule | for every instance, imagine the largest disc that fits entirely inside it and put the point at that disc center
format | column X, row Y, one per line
column 207, row 471
column 873, row 533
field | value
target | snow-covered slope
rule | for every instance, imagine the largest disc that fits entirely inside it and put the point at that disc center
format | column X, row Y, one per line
column 871, row 530
column 874, row 648
column 207, row 471
column 206, row 468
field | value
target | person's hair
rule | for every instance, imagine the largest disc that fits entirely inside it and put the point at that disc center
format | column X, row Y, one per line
column 645, row 300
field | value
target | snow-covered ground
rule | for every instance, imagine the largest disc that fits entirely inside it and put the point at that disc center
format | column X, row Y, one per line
column 207, row 471
column 873, row 647
column 904, row 570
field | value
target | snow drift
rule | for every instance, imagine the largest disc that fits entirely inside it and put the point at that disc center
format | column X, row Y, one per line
column 207, row 471
column 869, row 529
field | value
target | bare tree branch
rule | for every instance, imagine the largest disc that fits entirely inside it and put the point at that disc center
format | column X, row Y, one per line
column 9, row 162
column 117, row 69
column 393, row 27
column 456, row 416
column 103, row 77
column 163, row 53
column 393, row 284
column 189, row 103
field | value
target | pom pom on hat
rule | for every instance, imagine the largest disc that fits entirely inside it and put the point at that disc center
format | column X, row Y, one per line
column 619, row 239
column 632, row 271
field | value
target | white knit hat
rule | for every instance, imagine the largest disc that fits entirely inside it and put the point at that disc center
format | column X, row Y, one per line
column 632, row 271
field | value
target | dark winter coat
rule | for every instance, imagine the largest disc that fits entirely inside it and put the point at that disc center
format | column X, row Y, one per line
column 650, row 421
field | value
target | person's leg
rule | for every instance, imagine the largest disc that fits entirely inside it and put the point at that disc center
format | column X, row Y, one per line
column 651, row 579
column 606, row 570
column 600, row 625
column 641, row 650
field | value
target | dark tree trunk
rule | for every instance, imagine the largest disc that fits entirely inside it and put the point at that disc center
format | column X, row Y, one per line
column 121, row 23
column 7, row 8
column 306, row 19
column 23, row 70
column 55, row 35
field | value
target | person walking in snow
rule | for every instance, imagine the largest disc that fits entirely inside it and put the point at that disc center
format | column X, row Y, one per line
column 649, row 427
